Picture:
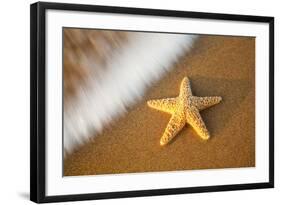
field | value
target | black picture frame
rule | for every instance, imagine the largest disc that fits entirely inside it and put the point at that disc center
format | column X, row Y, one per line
column 38, row 101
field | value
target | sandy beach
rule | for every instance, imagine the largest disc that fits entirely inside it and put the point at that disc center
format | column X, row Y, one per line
column 216, row 66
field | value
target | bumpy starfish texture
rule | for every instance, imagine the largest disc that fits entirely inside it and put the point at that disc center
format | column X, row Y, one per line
column 184, row 109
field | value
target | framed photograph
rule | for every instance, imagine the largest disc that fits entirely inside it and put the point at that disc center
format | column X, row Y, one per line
column 129, row 102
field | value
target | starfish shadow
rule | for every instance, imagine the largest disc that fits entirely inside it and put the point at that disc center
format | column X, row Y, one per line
column 233, row 93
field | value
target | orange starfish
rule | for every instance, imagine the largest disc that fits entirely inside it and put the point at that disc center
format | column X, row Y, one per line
column 184, row 109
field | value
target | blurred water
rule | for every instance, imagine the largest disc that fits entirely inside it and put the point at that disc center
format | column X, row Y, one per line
column 129, row 72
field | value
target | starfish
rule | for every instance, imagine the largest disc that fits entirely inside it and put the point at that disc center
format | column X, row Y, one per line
column 184, row 109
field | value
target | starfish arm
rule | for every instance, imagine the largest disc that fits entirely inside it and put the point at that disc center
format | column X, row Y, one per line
column 202, row 103
column 175, row 124
column 194, row 119
column 167, row 105
column 185, row 88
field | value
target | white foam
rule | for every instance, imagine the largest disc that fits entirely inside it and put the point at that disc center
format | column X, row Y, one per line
column 129, row 73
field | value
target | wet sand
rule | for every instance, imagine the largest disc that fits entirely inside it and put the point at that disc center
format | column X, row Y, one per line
column 217, row 65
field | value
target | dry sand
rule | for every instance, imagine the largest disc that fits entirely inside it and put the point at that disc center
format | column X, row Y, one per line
column 223, row 66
